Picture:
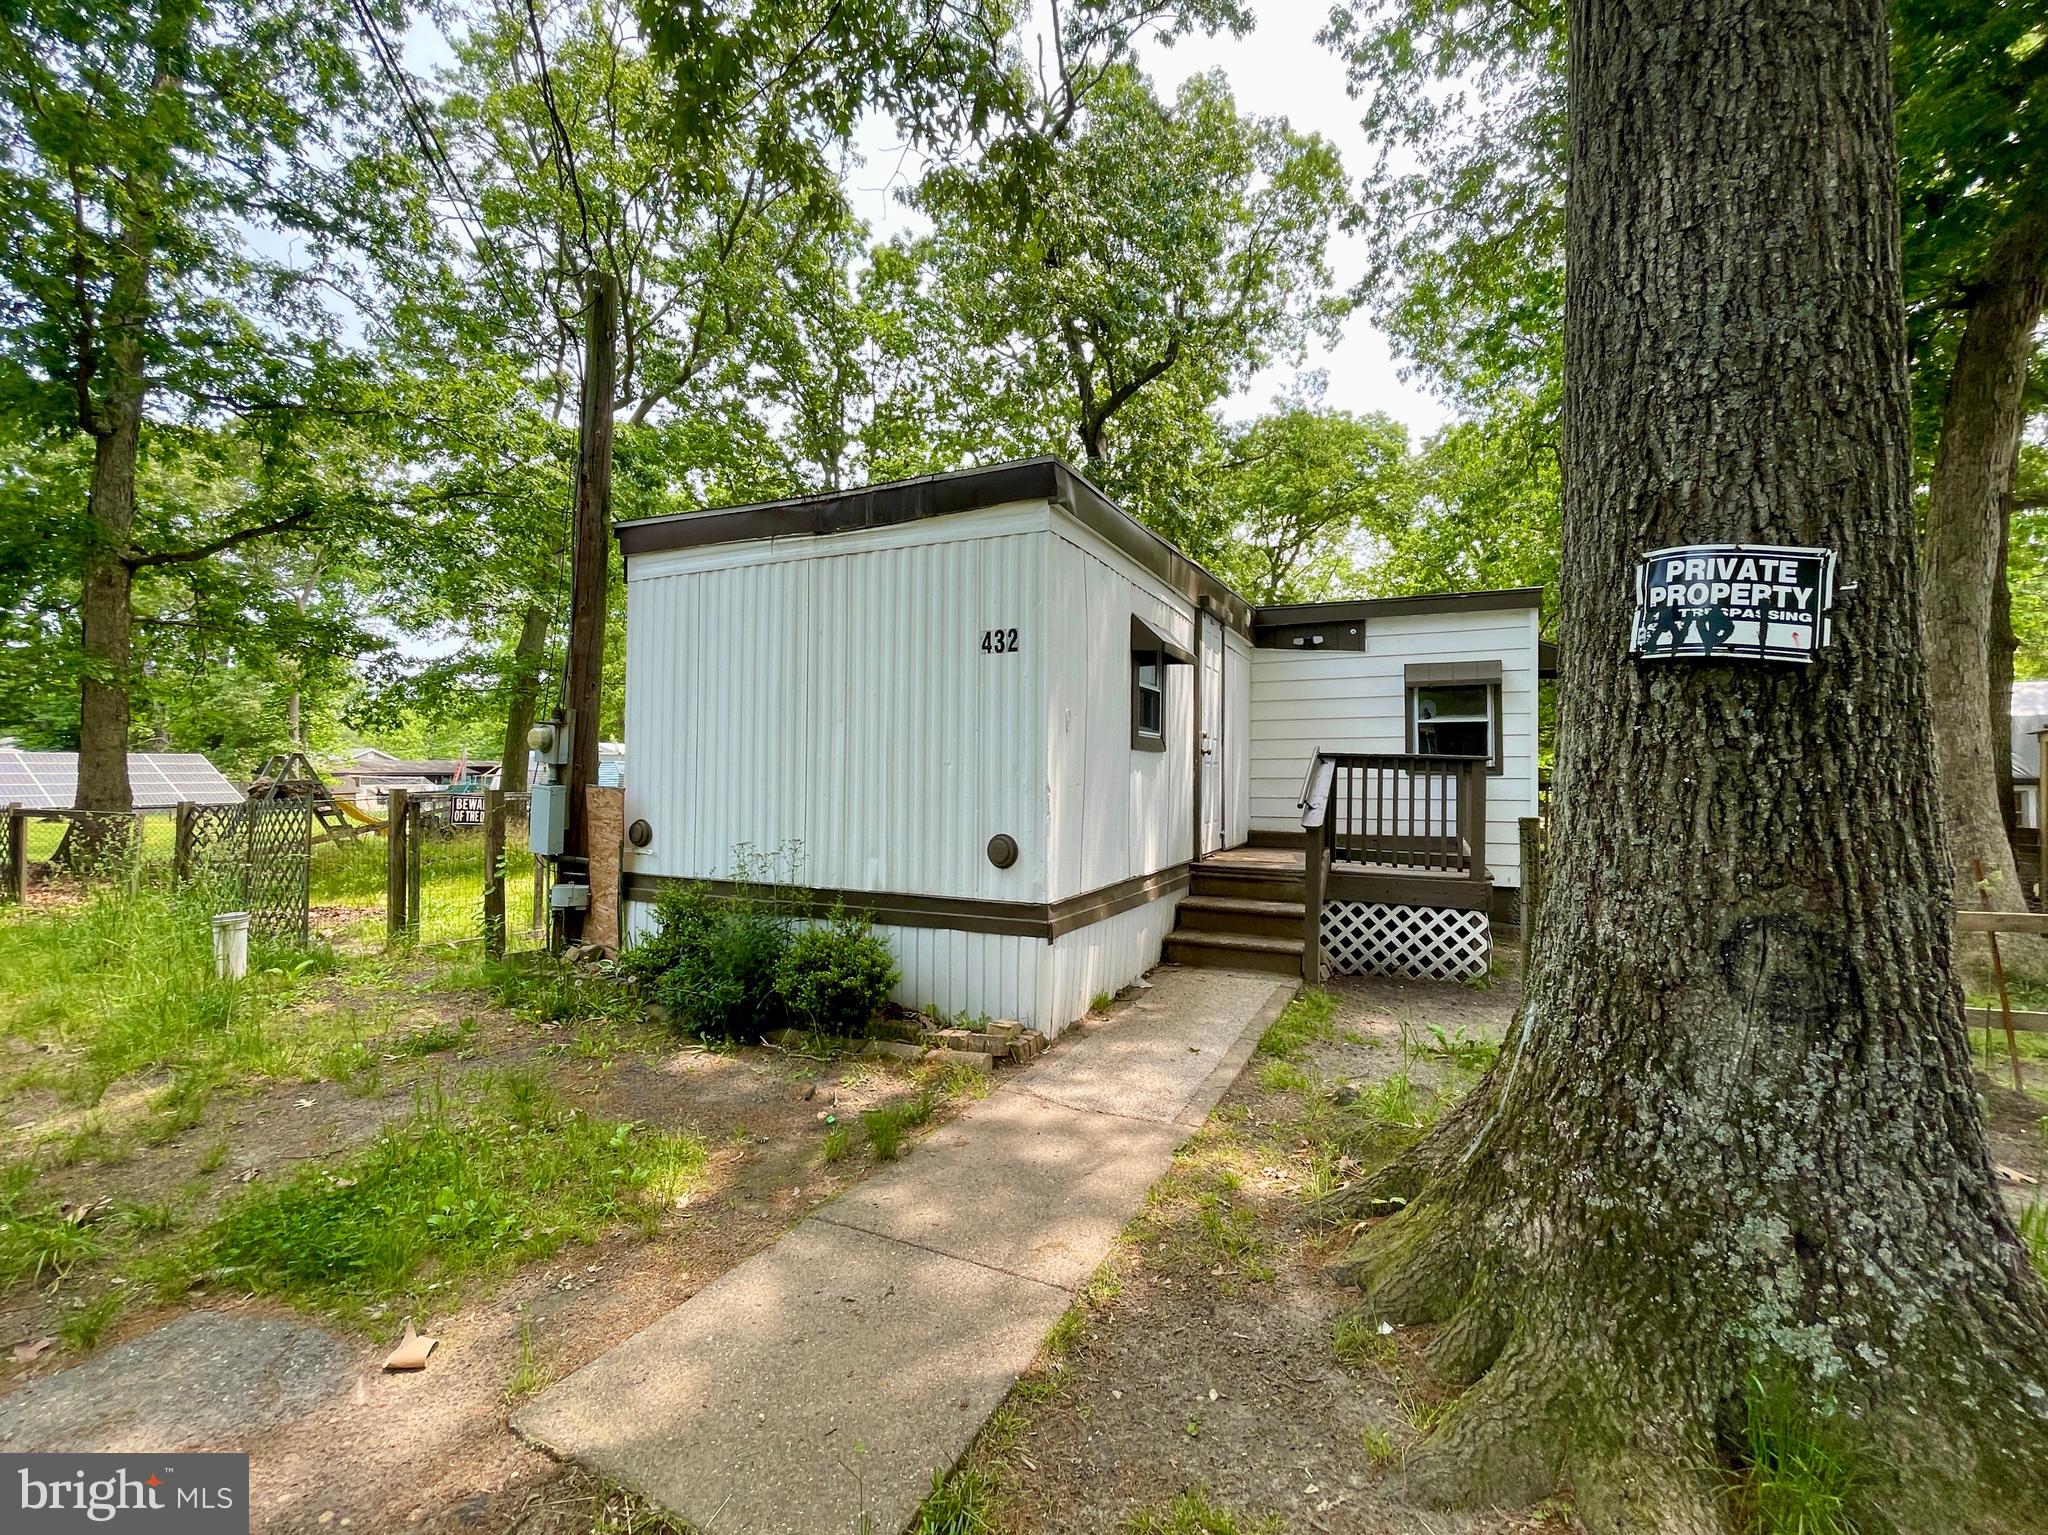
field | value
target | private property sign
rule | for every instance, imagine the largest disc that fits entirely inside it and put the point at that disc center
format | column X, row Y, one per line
column 1748, row 602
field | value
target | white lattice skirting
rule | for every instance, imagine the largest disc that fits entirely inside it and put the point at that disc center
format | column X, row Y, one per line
column 1428, row 942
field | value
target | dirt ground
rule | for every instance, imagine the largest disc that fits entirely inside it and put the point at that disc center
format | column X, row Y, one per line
column 431, row 1450
column 1206, row 1358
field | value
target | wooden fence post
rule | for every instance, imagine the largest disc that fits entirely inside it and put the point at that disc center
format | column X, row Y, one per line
column 14, row 877
column 494, row 873
column 394, row 864
column 181, row 843
column 415, row 834
column 1532, row 884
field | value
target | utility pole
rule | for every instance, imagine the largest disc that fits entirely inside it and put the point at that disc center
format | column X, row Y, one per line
column 589, row 590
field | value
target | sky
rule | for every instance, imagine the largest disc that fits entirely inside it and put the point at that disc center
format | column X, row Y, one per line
column 1278, row 70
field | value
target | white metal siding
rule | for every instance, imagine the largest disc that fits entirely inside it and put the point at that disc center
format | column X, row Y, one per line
column 832, row 692
column 1104, row 956
column 1115, row 813
column 1357, row 701
column 1237, row 741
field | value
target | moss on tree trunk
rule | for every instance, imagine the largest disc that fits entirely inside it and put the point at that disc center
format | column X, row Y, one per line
column 1734, row 1124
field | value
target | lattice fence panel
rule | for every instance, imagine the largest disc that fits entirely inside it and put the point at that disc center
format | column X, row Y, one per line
column 260, row 855
column 1427, row 942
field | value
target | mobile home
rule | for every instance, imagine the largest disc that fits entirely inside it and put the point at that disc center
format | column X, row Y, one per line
column 1041, row 746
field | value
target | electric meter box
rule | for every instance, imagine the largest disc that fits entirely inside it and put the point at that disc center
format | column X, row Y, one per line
column 547, row 815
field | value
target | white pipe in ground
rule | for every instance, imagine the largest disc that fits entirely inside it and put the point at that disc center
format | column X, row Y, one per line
column 231, row 945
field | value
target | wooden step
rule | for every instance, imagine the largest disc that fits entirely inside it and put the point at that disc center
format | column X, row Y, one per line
column 1235, row 951
column 1236, row 914
column 1246, row 884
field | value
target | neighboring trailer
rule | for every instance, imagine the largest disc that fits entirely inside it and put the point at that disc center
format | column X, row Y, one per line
column 1006, row 721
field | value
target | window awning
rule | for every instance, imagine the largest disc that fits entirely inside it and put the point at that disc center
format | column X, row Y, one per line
column 1418, row 674
column 1148, row 641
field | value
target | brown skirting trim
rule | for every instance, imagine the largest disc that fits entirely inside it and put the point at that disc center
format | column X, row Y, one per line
column 1015, row 919
column 1409, row 890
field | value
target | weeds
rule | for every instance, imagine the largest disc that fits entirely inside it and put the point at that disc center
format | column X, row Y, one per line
column 1378, row 1445
column 1281, row 1076
column 528, row 1376
column 1304, row 1021
column 838, row 1143
column 1360, row 1339
column 1194, row 1513
column 80, row 1328
column 1796, row 1478
column 444, row 1196
column 36, row 1241
column 885, row 1132
column 2034, row 1232
column 961, row 1504
column 1458, row 1049
column 1102, row 1002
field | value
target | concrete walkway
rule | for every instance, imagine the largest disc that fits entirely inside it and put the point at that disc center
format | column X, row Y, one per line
column 823, row 1381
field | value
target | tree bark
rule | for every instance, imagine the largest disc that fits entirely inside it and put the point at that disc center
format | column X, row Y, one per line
column 526, row 655
column 106, row 616
column 1732, row 1134
column 2004, row 649
column 1981, row 419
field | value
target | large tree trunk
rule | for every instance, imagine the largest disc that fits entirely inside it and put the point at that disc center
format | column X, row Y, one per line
column 2003, row 648
column 1973, row 469
column 526, row 656
column 106, row 620
column 1733, row 1131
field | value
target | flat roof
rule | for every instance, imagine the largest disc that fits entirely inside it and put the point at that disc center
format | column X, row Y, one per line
column 1030, row 479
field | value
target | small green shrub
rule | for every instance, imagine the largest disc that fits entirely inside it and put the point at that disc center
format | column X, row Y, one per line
column 714, row 963
column 834, row 976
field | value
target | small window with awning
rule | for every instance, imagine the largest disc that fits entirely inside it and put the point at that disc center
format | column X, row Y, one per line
column 1454, row 710
column 1151, row 653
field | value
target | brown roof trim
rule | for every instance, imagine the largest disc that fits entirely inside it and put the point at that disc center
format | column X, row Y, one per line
column 941, row 495
column 1017, row 919
column 1346, row 609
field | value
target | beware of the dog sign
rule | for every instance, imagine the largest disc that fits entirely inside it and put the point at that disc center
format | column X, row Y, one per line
column 1746, row 602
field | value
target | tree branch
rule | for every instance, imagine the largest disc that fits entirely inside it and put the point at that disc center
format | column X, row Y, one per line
column 137, row 561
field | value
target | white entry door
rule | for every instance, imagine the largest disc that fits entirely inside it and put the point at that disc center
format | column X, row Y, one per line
column 1211, row 742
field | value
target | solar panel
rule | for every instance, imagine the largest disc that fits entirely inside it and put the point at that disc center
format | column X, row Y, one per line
column 158, row 780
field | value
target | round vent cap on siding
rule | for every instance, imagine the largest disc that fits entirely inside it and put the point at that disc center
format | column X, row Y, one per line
column 639, row 834
column 1002, row 850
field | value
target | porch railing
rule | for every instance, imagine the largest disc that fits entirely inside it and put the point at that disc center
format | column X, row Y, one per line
column 1387, row 810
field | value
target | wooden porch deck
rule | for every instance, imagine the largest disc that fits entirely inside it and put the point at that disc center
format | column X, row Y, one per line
column 1288, row 863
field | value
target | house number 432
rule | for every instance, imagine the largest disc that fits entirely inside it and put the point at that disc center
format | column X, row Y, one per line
column 998, row 642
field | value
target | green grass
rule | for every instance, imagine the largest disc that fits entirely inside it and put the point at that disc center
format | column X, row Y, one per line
column 2034, row 1232
column 451, row 883
column 1280, row 1076
column 1357, row 1341
column 1309, row 1018
column 1195, row 1513
column 1458, row 1049
column 81, row 1327
column 36, row 1242
column 1102, row 1002
column 124, row 983
column 838, row 1143
column 1797, row 1478
column 885, row 1132
column 961, row 1504
column 452, row 1193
